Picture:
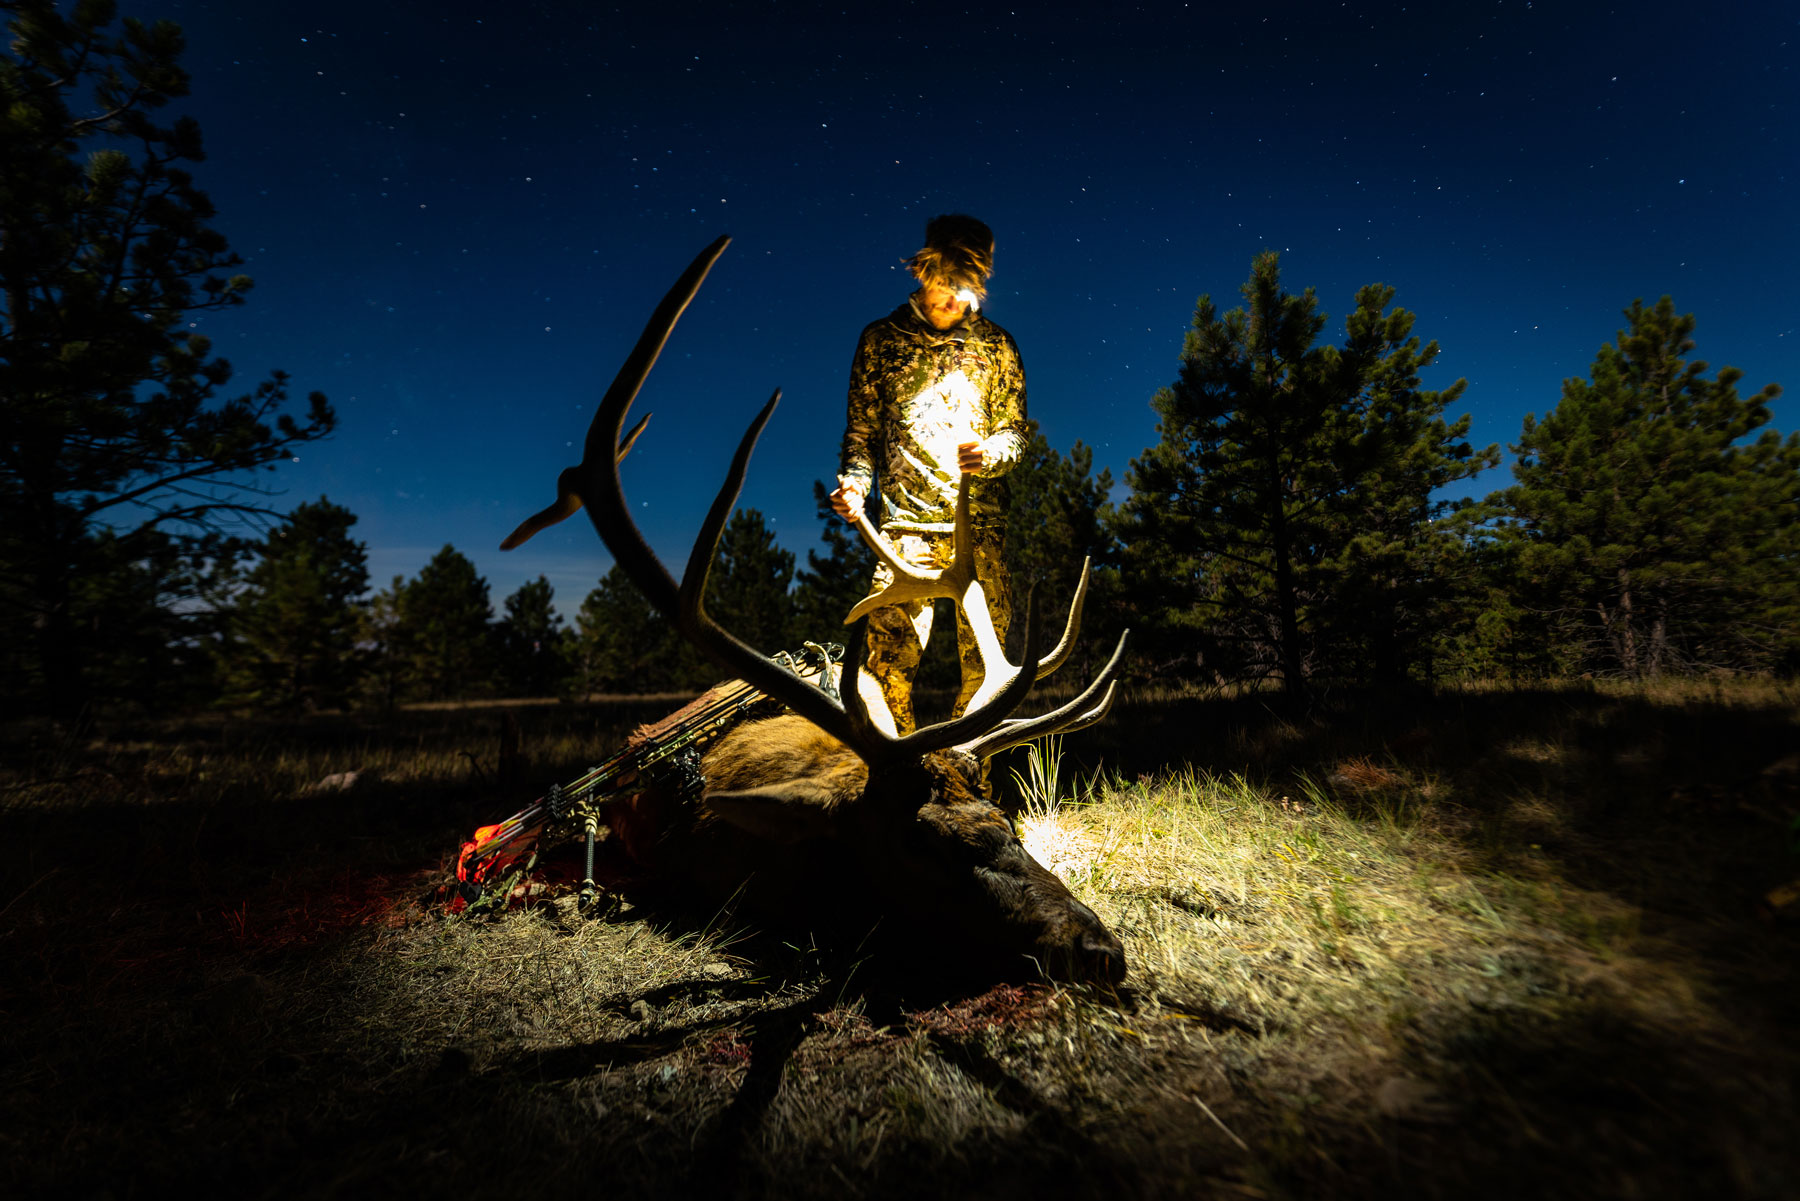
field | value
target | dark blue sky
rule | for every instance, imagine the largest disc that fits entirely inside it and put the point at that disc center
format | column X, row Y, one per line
column 459, row 215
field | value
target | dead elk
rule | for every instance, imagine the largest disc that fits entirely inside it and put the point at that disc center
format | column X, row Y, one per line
column 823, row 818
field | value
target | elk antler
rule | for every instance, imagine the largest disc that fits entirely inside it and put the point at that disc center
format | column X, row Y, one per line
column 1064, row 719
column 957, row 582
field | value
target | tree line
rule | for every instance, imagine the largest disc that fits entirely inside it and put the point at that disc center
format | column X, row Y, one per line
column 1288, row 528
column 292, row 624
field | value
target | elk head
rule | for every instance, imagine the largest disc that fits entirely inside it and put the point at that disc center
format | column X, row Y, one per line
column 828, row 800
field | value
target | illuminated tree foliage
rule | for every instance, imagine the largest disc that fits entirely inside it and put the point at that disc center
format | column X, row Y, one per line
column 1283, row 526
column 115, row 418
column 292, row 630
column 1648, row 522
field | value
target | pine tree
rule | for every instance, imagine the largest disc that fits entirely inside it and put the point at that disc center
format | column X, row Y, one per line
column 386, row 651
column 292, row 631
column 1643, row 519
column 115, row 417
column 1289, row 496
column 1394, row 562
column 145, row 629
column 828, row 587
column 1481, row 627
column 1224, row 506
column 534, row 646
column 621, row 643
column 444, row 615
column 748, row 592
column 1056, row 519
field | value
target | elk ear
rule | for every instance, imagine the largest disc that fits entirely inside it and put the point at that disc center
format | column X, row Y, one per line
column 785, row 812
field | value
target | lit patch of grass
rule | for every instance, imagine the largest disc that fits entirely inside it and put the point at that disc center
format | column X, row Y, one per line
column 1280, row 910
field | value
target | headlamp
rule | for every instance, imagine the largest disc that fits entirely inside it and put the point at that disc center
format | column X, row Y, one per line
column 968, row 297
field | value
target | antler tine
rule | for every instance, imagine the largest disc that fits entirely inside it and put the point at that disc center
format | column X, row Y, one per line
column 1057, row 657
column 1027, row 729
column 978, row 719
column 568, row 497
column 918, row 583
column 975, row 611
column 600, row 470
column 631, row 435
column 856, row 705
column 1015, row 725
column 889, row 558
column 1074, row 715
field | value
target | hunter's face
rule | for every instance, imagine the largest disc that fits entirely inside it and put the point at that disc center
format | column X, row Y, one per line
column 942, row 305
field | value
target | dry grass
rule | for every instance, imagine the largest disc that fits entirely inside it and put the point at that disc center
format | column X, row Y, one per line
column 1503, row 943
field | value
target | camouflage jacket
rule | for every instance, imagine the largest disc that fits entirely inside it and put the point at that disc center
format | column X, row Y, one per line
column 915, row 393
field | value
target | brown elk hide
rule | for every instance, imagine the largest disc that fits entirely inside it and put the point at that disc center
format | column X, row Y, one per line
column 783, row 779
column 766, row 753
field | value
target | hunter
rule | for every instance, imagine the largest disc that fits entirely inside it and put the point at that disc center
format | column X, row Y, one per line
column 936, row 391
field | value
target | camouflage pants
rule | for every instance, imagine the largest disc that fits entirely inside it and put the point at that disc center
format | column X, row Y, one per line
column 898, row 634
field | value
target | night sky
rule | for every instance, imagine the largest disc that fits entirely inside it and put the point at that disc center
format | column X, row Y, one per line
column 459, row 215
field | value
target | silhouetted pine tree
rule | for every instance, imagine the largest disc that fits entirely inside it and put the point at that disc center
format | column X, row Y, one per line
column 291, row 632
column 382, row 642
column 1289, row 496
column 1395, row 563
column 621, row 643
column 113, row 416
column 534, row 646
column 1643, row 520
column 139, row 608
column 828, row 587
column 1057, row 518
column 444, row 615
column 748, row 592
column 1482, row 628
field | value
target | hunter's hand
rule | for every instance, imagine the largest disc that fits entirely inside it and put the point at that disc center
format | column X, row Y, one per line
column 970, row 458
column 848, row 502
